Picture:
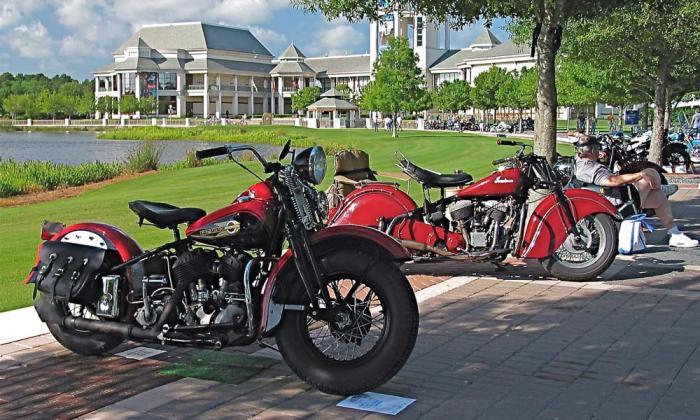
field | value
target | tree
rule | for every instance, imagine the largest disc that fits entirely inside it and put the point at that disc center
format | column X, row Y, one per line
column 24, row 105
column 518, row 91
column 549, row 18
column 453, row 96
column 147, row 105
column 398, row 83
column 86, row 105
column 304, row 97
column 345, row 89
column 49, row 103
column 128, row 105
column 486, row 86
column 105, row 105
column 654, row 43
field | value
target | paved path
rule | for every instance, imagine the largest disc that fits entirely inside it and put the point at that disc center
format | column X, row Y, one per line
column 492, row 345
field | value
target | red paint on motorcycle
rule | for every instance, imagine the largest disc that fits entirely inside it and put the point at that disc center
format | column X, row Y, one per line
column 415, row 230
column 114, row 238
column 248, row 222
column 366, row 205
column 547, row 228
column 498, row 184
column 325, row 238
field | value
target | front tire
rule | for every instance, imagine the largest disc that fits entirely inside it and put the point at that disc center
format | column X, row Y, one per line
column 572, row 262
column 368, row 334
column 86, row 343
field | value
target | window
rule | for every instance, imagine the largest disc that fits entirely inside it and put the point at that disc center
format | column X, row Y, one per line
column 128, row 82
column 419, row 31
column 167, row 81
column 440, row 78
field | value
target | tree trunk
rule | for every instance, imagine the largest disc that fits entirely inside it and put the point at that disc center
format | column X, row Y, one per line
column 669, row 109
column 394, row 131
column 657, row 141
column 546, row 120
column 645, row 121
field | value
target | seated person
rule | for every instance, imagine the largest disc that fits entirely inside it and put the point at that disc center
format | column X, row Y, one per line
column 647, row 183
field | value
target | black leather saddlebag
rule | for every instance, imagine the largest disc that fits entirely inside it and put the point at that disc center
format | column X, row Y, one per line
column 68, row 272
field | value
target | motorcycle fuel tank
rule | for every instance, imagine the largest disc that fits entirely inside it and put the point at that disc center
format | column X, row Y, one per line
column 246, row 223
column 498, row 184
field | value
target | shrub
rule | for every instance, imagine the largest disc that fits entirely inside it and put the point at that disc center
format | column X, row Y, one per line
column 144, row 157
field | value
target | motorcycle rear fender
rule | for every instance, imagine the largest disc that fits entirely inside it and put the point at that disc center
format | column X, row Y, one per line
column 331, row 238
column 112, row 237
column 547, row 227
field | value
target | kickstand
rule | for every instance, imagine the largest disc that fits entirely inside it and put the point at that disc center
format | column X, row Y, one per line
column 268, row 346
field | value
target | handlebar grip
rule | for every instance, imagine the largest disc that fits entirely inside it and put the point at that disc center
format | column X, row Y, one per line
column 506, row 142
column 216, row 151
column 499, row 161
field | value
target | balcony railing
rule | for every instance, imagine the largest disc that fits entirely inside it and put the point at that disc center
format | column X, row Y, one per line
column 289, row 89
column 195, row 87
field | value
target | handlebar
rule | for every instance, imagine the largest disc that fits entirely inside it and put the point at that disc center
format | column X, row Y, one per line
column 499, row 161
column 501, row 142
column 207, row 153
column 229, row 149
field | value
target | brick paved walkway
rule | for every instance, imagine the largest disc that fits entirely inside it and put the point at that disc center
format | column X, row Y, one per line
column 516, row 346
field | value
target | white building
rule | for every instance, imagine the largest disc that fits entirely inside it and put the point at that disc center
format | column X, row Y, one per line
column 198, row 69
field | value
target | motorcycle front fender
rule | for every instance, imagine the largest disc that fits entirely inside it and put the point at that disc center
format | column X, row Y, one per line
column 96, row 234
column 326, row 240
column 548, row 226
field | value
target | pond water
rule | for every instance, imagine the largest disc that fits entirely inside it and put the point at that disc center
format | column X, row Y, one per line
column 73, row 148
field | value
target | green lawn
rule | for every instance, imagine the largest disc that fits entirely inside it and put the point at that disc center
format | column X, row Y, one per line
column 212, row 187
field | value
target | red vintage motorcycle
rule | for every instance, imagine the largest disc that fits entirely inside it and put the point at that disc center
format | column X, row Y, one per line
column 571, row 232
column 342, row 313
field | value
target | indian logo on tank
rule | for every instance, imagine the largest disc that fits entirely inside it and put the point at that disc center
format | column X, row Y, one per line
column 500, row 180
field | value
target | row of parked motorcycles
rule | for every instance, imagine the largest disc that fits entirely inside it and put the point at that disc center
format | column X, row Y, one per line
column 521, row 125
column 325, row 283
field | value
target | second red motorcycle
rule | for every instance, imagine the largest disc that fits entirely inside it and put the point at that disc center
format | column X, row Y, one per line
column 571, row 232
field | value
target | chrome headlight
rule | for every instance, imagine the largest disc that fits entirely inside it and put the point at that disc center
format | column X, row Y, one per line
column 564, row 167
column 310, row 164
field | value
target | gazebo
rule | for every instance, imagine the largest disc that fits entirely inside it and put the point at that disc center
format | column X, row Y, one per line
column 331, row 101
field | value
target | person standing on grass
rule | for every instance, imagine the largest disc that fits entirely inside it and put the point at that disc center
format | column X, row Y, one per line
column 398, row 122
column 652, row 194
column 611, row 122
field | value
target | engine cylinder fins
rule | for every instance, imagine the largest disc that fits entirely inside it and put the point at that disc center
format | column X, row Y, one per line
column 460, row 210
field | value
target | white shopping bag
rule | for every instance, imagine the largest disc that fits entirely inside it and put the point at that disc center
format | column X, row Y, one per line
column 632, row 234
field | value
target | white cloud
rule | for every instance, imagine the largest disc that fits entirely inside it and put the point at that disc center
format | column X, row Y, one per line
column 33, row 41
column 12, row 13
column 273, row 40
column 338, row 37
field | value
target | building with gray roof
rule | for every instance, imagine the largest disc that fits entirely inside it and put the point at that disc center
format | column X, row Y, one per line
column 199, row 69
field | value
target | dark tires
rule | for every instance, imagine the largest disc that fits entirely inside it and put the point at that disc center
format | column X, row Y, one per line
column 591, row 256
column 81, row 342
column 676, row 156
column 363, row 337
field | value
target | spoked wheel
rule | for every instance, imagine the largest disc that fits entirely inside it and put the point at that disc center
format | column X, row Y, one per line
column 590, row 255
column 353, row 324
column 82, row 342
column 358, row 339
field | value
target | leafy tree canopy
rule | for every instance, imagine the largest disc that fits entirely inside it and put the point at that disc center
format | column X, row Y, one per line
column 453, row 96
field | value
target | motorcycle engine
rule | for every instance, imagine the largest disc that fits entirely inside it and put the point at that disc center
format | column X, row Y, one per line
column 485, row 225
column 214, row 292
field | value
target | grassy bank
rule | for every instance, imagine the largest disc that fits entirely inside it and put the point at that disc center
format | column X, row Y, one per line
column 18, row 178
column 249, row 135
column 211, row 187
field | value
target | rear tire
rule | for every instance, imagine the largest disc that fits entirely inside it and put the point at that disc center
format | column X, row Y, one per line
column 604, row 227
column 303, row 348
column 86, row 343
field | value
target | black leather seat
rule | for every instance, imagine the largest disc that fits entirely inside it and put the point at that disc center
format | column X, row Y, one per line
column 165, row 215
column 433, row 179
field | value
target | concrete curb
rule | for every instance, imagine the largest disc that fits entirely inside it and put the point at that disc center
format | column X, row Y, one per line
column 20, row 324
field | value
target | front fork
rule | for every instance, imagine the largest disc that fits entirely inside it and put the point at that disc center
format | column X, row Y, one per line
column 565, row 204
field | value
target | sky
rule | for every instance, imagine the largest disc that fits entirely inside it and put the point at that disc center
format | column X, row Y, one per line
column 78, row 36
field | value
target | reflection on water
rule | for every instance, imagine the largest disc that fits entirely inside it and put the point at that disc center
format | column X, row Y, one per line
column 76, row 147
